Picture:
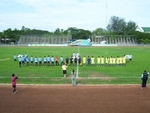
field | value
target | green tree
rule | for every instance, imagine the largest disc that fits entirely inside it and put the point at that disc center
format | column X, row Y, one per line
column 57, row 31
column 130, row 27
column 120, row 27
column 99, row 31
column 79, row 33
column 142, row 38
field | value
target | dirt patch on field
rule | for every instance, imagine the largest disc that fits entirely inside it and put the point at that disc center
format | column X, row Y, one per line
column 95, row 75
column 78, row 99
column 5, row 59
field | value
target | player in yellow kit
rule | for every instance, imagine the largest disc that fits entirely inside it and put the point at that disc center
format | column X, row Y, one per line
column 84, row 61
column 110, row 61
column 107, row 61
column 98, row 61
column 114, row 61
column 93, row 61
column 102, row 61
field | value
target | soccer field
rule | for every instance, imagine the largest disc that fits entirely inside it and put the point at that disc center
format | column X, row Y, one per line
column 129, row 74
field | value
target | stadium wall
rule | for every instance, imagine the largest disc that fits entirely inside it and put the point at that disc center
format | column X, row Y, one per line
column 47, row 44
column 98, row 45
column 104, row 45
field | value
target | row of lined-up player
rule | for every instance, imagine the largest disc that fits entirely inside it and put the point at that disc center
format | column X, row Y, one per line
column 71, row 61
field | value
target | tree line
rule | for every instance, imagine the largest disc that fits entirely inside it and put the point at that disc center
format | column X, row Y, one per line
column 116, row 26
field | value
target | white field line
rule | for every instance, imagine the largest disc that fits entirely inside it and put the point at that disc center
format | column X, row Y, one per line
column 70, row 85
column 70, row 77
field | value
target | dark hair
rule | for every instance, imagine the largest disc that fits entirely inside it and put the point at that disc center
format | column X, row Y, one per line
column 73, row 71
column 13, row 75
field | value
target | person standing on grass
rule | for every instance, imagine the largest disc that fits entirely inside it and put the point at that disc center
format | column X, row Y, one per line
column 56, row 61
column 36, row 61
column 13, row 81
column 61, row 60
column 31, row 60
column 73, row 77
column 40, row 60
column 52, row 61
column 64, row 69
column 84, row 61
column 15, row 57
column 27, row 60
column 144, row 78
column 93, row 61
column 23, row 60
column 67, row 60
column 75, row 61
column 20, row 61
column 89, row 60
column 48, row 60
column 102, row 61
column 98, row 60
column 130, row 58
column 79, row 60
column 71, row 60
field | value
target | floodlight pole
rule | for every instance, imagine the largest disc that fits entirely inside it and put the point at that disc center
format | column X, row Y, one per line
column 106, row 13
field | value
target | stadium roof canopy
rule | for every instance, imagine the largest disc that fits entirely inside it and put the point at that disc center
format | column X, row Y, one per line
column 146, row 29
column 143, row 29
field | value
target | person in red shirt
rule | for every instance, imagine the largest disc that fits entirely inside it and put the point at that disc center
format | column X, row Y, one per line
column 13, row 81
column 56, row 61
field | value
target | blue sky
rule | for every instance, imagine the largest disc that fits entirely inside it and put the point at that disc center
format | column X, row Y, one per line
column 85, row 14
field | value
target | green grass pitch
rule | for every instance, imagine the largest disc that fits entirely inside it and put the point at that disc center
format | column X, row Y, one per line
column 129, row 74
